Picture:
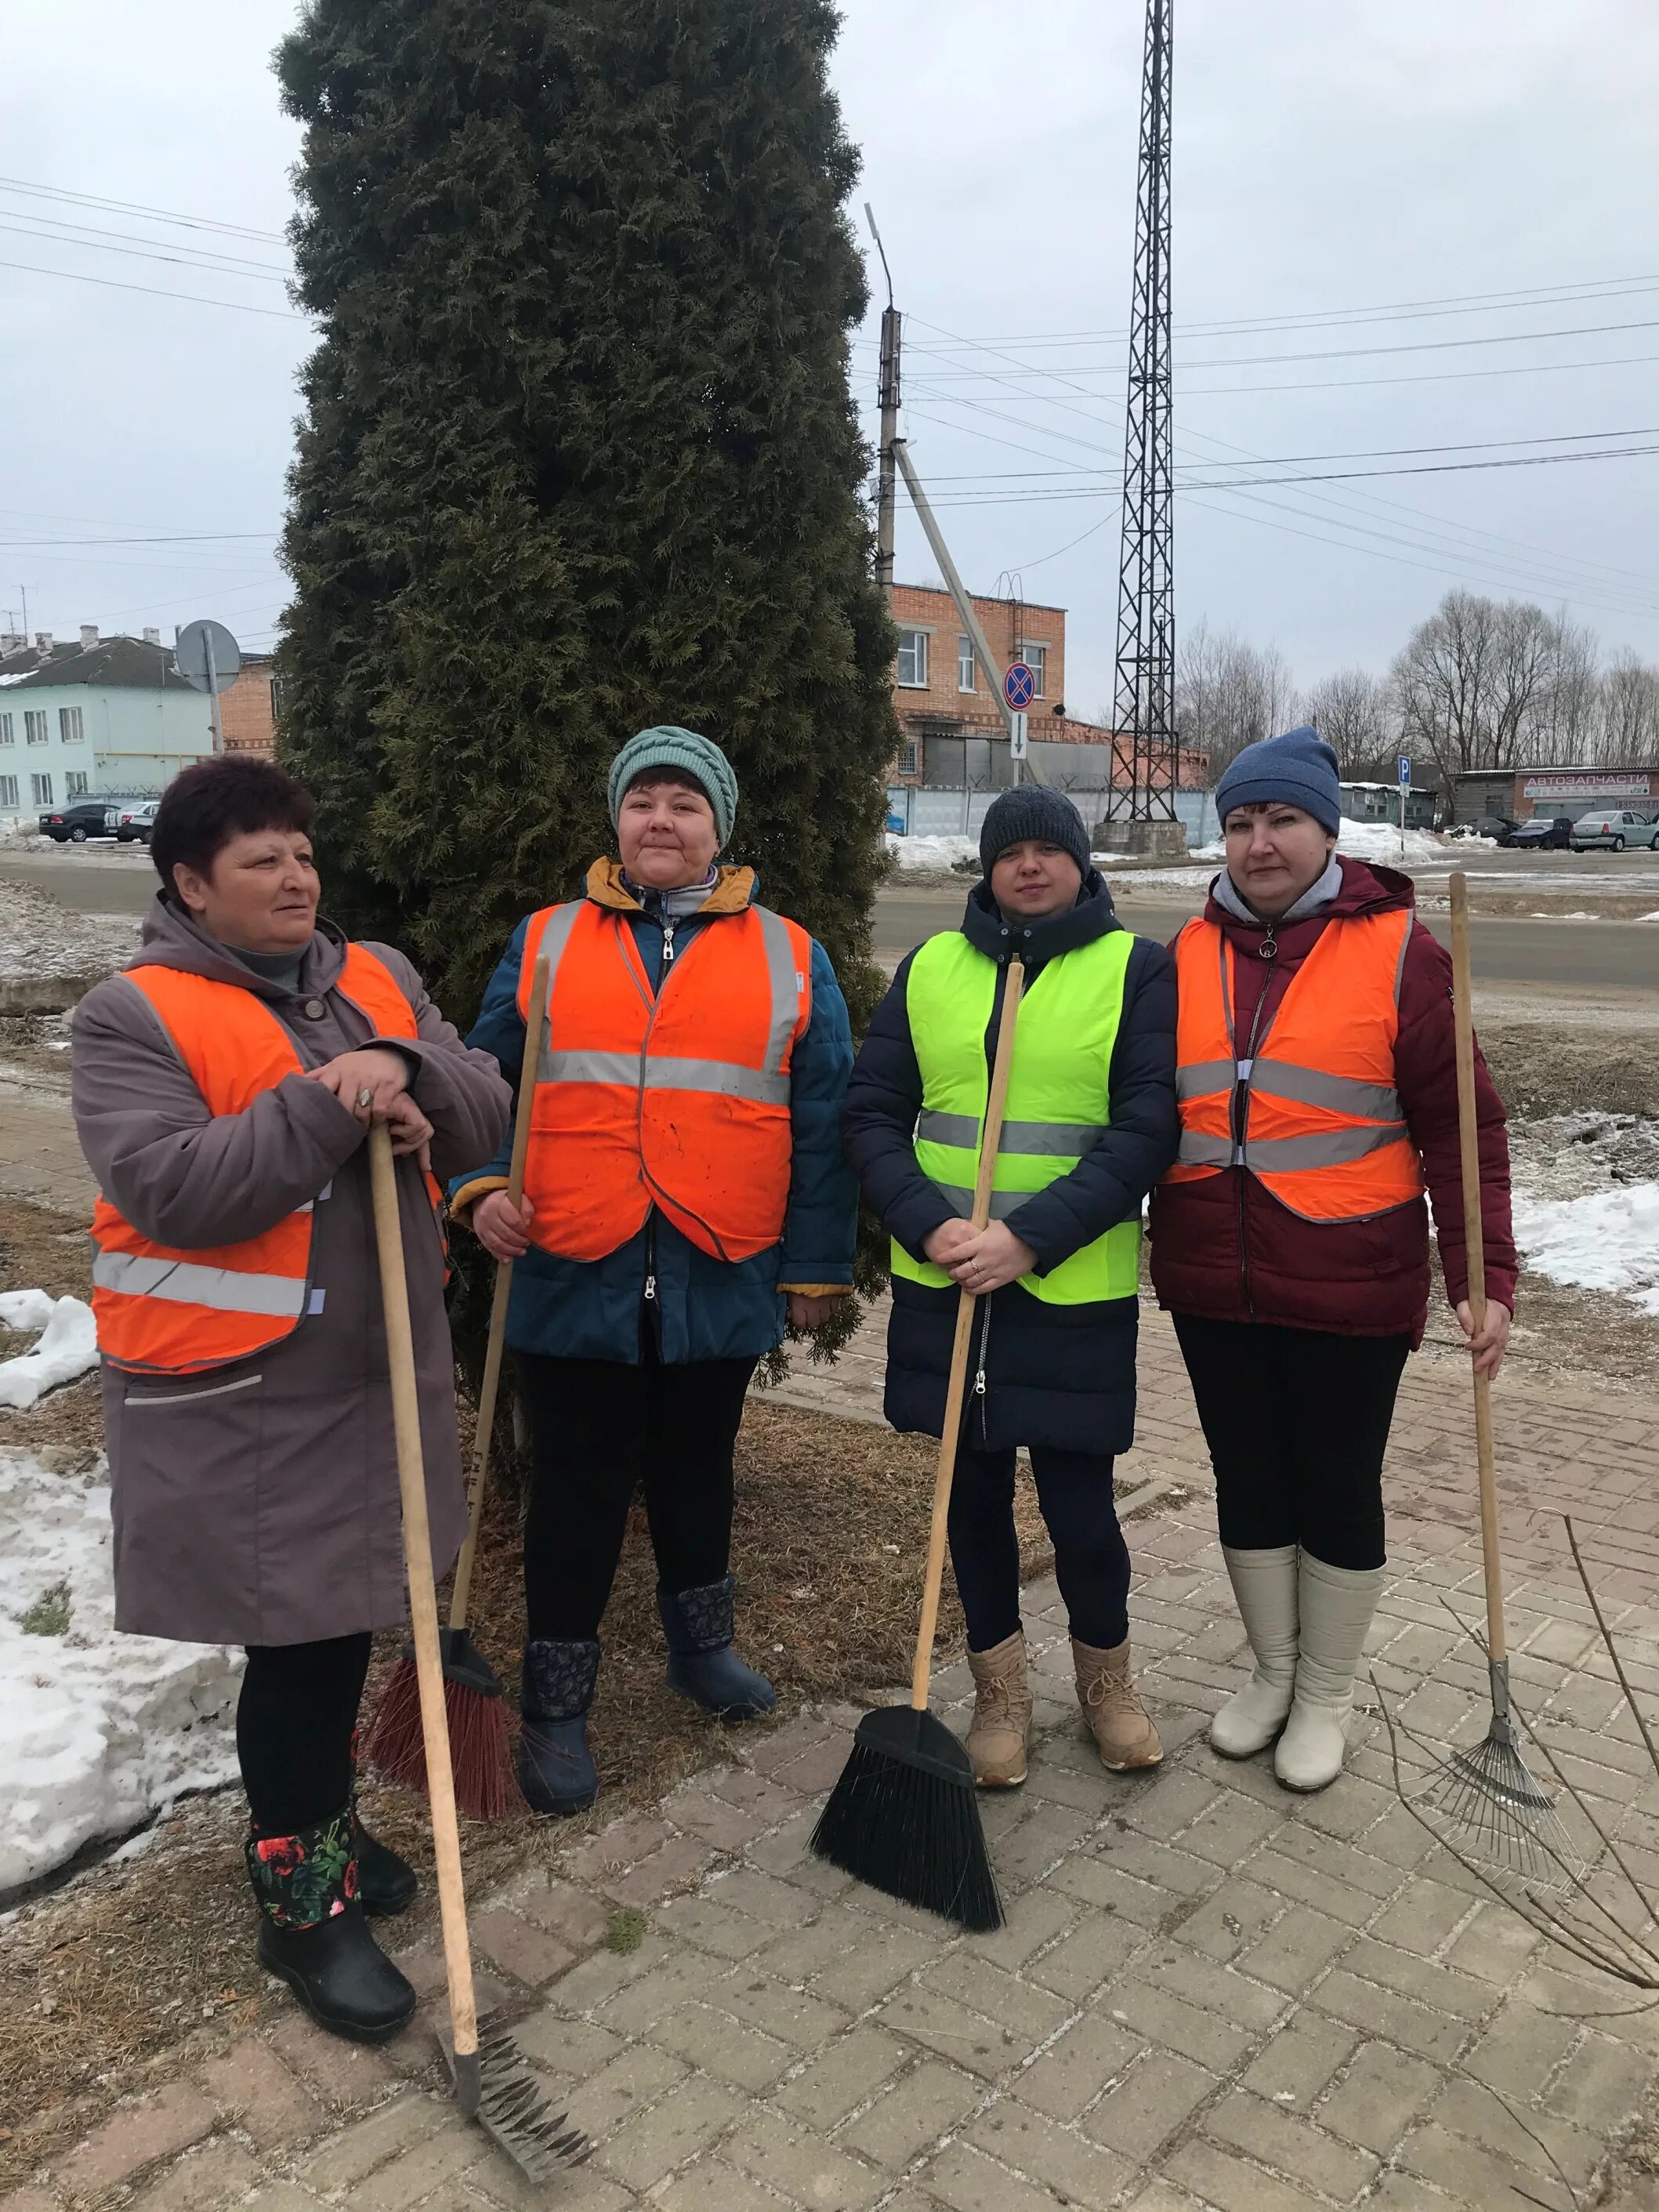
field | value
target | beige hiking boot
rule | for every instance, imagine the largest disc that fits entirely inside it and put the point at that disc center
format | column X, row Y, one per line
column 1002, row 1714
column 1118, row 1723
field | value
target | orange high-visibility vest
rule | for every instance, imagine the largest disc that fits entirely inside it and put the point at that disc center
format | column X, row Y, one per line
column 1309, row 1106
column 677, row 1098
column 164, row 1310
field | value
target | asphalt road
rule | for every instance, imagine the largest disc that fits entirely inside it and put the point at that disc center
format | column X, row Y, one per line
column 94, row 878
column 1555, row 955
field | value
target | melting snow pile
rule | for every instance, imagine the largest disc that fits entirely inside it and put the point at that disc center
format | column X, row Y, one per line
column 68, row 1345
column 1377, row 840
column 96, row 1729
column 931, row 851
column 1607, row 1241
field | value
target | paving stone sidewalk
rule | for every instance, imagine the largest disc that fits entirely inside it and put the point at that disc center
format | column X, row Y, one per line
column 1209, row 1993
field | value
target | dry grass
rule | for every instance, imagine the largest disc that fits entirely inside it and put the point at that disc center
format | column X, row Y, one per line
column 138, row 1968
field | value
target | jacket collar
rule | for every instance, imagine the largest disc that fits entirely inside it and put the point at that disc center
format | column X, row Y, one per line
column 171, row 939
column 1366, row 888
column 734, row 890
column 1321, row 894
column 1093, row 916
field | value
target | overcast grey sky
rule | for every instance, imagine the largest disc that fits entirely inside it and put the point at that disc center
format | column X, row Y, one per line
column 1358, row 157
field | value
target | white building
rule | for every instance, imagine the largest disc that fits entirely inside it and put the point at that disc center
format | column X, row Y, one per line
column 107, row 718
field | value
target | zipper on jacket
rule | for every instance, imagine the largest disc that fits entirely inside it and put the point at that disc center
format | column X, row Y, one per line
column 981, row 1391
column 1240, row 1118
column 668, row 940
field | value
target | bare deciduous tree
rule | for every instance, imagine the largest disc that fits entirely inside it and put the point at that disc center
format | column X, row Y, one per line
column 1476, row 683
column 1228, row 693
column 1353, row 712
column 1630, row 712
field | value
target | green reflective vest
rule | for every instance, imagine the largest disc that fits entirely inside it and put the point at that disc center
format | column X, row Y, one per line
column 1057, row 1096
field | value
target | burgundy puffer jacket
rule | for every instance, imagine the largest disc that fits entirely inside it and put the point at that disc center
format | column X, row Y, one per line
column 1223, row 1248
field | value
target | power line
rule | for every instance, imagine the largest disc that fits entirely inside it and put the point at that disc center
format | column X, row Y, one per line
column 1431, row 376
column 183, row 537
column 136, row 208
column 182, row 256
column 155, row 291
column 1328, row 476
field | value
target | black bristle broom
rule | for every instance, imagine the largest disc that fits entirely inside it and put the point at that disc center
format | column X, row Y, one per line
column 904, row 1816
column 481, row 1747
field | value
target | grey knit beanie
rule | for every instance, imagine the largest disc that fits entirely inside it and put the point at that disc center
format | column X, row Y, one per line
column 699, row 757
column 1032, row 810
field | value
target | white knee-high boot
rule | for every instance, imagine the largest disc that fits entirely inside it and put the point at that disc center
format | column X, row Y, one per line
column 1335, row 1605
column 1265, row 1585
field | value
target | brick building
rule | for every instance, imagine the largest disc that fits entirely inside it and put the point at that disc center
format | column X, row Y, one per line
column 246, row 709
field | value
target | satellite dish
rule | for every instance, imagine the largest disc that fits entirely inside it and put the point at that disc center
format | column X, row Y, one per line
column 208, row 656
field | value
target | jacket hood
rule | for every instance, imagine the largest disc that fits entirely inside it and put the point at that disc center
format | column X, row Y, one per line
column 734, row 890
column 1092, row 916
column 171, row 939
column 1367, row 888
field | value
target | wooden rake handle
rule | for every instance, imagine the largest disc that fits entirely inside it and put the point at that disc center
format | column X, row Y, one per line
column 461, row 1594
column 1474, row 1241
column 990, row 1138
column 423, row 1600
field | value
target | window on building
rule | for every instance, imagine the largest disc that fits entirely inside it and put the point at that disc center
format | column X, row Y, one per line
column 909, row 756
column 69, row 725
column 1036, row 658
column 34, row 728
column 42, row 787
column 912, row 659
column 6, row 736
column 964, row 664
column 75, row 785
column 7, row 792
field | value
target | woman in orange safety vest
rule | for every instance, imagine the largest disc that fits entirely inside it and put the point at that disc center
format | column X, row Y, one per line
column 685, row 1196
column 1318, row 1098
column 223, row 1086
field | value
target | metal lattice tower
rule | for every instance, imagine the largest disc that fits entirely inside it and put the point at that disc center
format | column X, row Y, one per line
column 1142, row 710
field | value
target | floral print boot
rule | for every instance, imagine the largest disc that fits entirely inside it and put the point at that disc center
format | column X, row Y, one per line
column 313, row 1935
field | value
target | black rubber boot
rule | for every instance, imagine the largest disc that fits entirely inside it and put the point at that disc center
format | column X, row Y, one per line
column 386, row 1883
column 556, row 1772
column 702, row 1664
column 314, row 1936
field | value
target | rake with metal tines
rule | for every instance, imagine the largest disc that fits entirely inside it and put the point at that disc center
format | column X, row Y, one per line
column 1507, row 1816
column 493, row 2083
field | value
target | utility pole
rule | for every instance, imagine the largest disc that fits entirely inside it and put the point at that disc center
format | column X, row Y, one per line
column 892, row 323
column 994, row 670
column 1142, row 817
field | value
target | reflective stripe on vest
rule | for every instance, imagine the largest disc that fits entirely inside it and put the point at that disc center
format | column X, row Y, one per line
column 1057, row 1096
column 164, row 1310
column 1314, row 1112
column 676, row 1098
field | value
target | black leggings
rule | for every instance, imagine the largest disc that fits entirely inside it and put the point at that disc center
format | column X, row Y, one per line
column 598, row 1430
column 1091, row 1560
column 1296, row 1421
column 294, row 1726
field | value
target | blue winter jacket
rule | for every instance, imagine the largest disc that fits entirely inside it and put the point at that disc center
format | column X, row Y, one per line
column 701, row 1308
column 1057, row 1374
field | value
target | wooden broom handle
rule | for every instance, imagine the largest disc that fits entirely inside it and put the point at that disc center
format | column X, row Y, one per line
column 1476, row 1253
column 460, row 1596
column 990, row 1138
column 422, row 1594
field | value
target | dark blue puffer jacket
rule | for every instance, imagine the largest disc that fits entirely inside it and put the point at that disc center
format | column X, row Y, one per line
column 703, row 1308
column 1054, row 1375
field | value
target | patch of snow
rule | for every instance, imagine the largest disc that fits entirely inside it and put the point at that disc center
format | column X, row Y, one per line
column 96, row 1729
column 41, row 936
column 1378, row 840
column 67, row 1348
column 1607, row 1240
column 931, row 851
column 1648, row 917
column 1541, row 913
column 26, row 1308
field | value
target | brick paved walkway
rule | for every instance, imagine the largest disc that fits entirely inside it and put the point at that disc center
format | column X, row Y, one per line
column 1209, row 1994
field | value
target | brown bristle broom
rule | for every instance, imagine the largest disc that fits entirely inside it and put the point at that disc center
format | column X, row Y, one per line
column 480, row 1738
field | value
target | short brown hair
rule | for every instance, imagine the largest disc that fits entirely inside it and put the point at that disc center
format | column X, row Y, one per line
column 212, row 801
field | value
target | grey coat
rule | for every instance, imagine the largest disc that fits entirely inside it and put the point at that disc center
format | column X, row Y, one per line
column 258, row 1503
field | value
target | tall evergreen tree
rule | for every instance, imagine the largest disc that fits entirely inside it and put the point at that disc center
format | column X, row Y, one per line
column 578, row 455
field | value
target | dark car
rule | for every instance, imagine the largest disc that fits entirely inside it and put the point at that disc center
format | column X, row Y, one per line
column 74, row 825
column 1554, row 836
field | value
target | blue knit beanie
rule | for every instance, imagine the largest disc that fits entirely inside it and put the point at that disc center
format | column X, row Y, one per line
column 1298, row 769
column 699, row 757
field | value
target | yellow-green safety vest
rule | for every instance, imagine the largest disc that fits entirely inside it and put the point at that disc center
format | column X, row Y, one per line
column 1059, row 1103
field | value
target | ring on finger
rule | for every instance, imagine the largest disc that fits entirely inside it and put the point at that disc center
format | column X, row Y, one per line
column 365, row 1097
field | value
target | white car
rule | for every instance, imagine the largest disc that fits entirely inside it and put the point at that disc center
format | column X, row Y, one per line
column 1615, row 828
column 137, row 823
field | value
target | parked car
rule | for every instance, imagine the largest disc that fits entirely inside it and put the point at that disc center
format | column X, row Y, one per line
column 73, row 825
column 136, row 821
column 1553, row 835
column 1495, row 826
column 1614, row 827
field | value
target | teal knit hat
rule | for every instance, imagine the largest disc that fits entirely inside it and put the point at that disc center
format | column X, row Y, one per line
column 700, row 758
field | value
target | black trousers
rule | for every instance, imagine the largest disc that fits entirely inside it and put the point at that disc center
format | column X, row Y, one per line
column 1091, row 1560
column 294, row 1721
column 598, row 1430
column 1296, row 1421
